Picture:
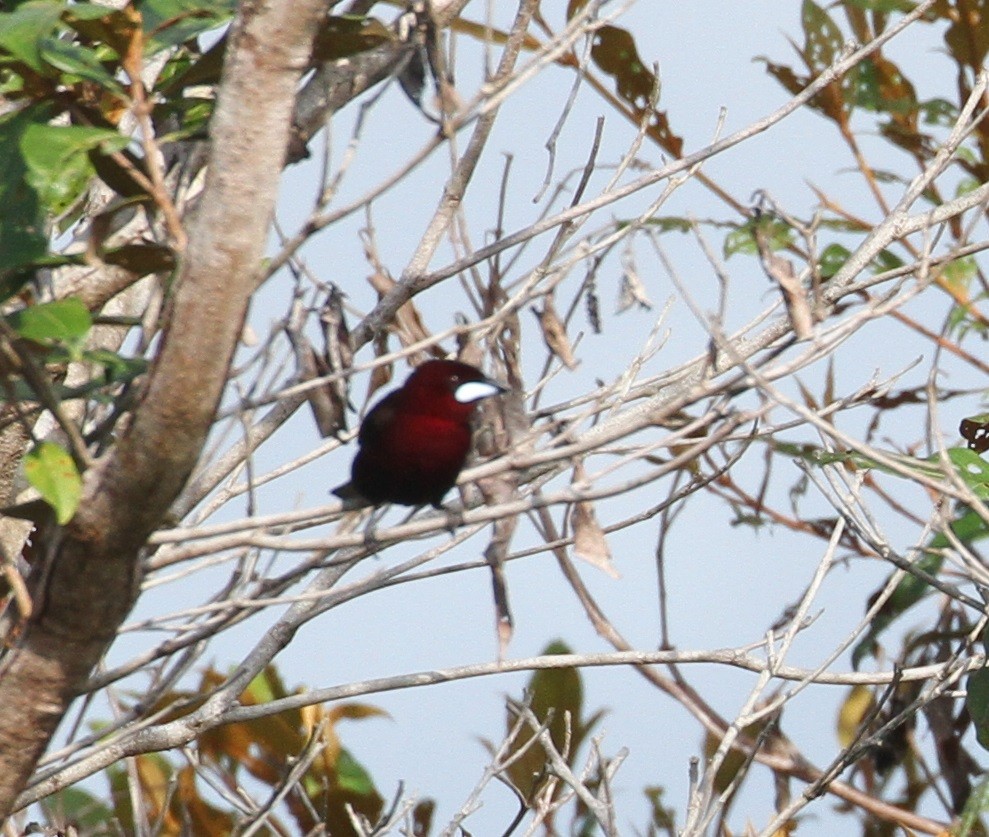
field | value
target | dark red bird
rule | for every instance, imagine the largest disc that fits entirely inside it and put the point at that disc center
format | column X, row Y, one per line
column 414, row 441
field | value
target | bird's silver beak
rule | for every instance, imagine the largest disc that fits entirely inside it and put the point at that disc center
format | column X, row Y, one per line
column 471, row 391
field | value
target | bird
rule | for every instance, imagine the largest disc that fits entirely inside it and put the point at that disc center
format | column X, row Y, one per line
column 414, row 442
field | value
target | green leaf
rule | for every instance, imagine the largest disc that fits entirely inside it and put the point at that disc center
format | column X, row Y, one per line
column 908, row 592
column 671, row 223
column 21, row 31
column 977, row 702
column 742, row 239
column 969, row 466
column 886, row 261
column 824, row 40
column 972, row 469
column 938, row 112
column 84, row 810
column 57, row 159
column 883, row 6
column 78, row 62
column 352, row 775
column 959, row 272
column 117, row 369
column 977, row 804
column 22, row 223
column 833, row 257
column 169, row 23
column 65, row 321
column 967, row 527
column 50, row 470
column 89, row 11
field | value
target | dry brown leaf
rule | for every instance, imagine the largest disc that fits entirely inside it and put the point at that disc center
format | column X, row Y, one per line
column 631, row 291
column 380, row 375
column 328, row 402
column 589, row 541
column 328, row 407
column 781, row 271
column 555, row 334
column 408, row 324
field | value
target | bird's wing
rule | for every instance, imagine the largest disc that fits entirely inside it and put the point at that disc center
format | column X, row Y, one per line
column 378, row 420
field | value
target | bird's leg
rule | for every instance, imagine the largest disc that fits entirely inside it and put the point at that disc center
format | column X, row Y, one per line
column 371, row 542
column 454, row 518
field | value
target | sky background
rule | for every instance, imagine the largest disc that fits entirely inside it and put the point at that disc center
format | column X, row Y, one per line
column 726, row 584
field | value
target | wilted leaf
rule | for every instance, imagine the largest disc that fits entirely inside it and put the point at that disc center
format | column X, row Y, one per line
column 593, row 306
column 854, row 709
column 154, row 774
column 662, row 817
column 329, row 412
column 198, row 816
column 781, row 271
column 408, row 324
column 631, row 291
column 355, row 712
column 558, row 695
column 381, row 375
column 589, row 541
column 114, row 27
column 412, row 78
column 141, row 259
column 337, row 358
column 555, row 333
column 574, row 6
column 344, row 35
column 422, row 817
column 736, row 760
column 968, row 37
column 615, row 53
column 51, row 471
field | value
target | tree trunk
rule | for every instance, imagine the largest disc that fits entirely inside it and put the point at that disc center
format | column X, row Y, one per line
column 92, row 563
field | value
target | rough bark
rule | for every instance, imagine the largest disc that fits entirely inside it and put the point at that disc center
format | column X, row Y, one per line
column 92, row 578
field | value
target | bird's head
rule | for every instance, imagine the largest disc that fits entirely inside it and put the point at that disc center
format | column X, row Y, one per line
column 451, row 385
